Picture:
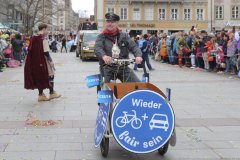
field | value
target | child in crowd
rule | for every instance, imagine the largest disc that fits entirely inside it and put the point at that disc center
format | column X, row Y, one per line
column 198, row 50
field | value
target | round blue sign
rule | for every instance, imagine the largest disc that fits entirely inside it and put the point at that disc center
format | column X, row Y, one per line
column 142, row 121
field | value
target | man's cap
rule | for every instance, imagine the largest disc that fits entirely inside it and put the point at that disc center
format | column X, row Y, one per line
column 112, row 17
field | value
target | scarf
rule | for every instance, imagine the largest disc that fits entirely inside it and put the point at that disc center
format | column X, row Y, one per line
column 107, row 32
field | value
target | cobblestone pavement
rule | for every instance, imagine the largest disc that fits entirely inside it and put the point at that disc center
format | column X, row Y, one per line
column 206, row 105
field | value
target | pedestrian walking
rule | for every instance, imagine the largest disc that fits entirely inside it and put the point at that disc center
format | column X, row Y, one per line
column 39, row 67
column 145, row 53
column 64, row 44
column 17, row 45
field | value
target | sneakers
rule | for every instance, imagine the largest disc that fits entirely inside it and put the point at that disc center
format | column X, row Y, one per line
column 43, row 98
column 54, row 95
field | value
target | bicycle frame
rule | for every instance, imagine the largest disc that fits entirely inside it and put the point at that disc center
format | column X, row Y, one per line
column 134, row 116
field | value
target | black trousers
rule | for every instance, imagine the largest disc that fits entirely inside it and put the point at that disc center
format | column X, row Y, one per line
column 51, row 80
column 200, row 62
column 123, row 73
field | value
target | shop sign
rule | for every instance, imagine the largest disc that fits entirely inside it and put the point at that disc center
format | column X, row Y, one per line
column 139, row 25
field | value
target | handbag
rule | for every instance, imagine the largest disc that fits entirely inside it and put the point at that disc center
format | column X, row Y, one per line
column 13, row 63
column 8, row 51
column 186, row 50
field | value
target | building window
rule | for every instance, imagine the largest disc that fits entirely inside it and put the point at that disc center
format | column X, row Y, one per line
column 235, row 12
column 187, row 14
column 61, row 20
column 174, row 14
column 136, row 14
column 16, row 16
column 199, row 14
column 161, row 13
column 149, row 14
column 110, row 10
column 219, row 12
column 124, row 14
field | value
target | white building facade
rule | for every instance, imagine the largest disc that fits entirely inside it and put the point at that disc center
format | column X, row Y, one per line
column 225, row 14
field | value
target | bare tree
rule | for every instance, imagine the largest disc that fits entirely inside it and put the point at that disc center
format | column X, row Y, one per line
column 38, row 11
column 3, row 8
column 32, row 11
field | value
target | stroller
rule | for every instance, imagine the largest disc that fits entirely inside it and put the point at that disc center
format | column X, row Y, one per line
column 54, row 46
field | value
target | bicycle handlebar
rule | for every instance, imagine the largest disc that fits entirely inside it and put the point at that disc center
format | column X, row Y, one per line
column 122, row 61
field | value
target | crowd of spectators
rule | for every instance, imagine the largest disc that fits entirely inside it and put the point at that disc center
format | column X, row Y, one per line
column 13, row 49
column 14, row 45
column 211, row 52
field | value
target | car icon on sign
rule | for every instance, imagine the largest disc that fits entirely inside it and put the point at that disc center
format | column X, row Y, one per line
column 159, row 121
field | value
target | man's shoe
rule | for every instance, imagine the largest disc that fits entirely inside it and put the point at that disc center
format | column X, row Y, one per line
column 54, row 95
column 42, row 98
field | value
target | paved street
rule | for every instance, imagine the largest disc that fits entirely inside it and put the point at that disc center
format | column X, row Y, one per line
column 206, row 105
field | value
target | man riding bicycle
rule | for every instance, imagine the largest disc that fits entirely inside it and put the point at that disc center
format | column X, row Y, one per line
column 114, row 44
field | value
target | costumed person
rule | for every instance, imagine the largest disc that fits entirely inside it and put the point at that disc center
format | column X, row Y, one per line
column 162, row 48
column 205, row 55
column 210, row 48
column 182, row 48
column 39, row 67
column 112, row 43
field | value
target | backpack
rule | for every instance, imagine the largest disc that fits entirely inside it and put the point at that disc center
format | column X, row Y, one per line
column 146, row 48
column 140, row 43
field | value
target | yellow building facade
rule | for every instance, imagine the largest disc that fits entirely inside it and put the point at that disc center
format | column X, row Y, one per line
column 142, row 16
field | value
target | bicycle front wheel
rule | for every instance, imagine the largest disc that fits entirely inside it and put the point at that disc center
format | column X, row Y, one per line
column 136, row 123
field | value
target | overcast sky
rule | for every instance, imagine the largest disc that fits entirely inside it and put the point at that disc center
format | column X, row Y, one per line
column 83, row 5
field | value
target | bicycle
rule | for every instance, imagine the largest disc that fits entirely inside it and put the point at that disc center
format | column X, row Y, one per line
column 119, row 119
column 136, row 123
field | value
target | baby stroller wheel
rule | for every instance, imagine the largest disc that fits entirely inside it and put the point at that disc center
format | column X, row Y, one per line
column 104, row 146
column 163, row 149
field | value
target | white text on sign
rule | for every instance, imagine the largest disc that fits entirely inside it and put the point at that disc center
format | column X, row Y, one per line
column 141, row 103
column 133, row 142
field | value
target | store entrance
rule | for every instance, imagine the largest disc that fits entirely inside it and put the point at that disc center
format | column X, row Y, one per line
column 170, row 32
column 134, row 33
column 152, row 32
